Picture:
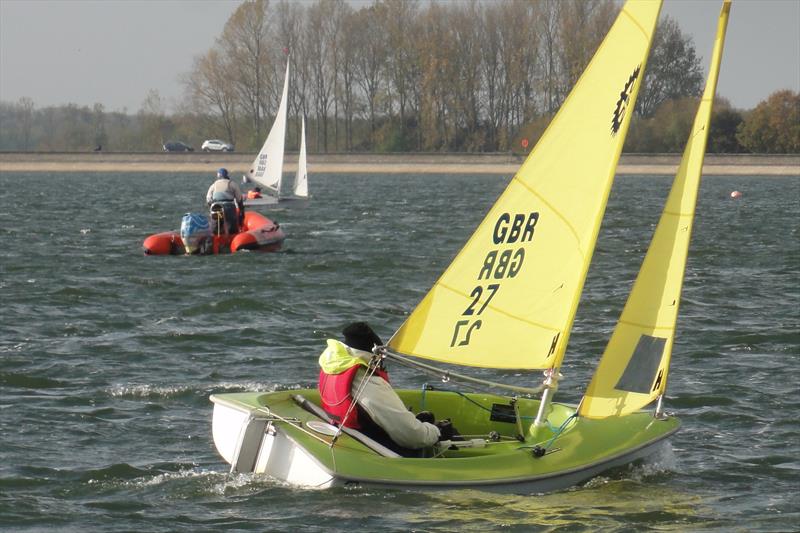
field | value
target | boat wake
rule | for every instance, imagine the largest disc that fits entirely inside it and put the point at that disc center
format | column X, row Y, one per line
column 662, row 461
column 151, row 391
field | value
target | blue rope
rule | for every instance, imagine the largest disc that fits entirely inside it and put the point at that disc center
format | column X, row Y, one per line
column 559, row 430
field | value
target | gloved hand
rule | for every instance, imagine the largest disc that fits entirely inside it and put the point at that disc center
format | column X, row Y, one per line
column 446, row 431
column 426, row 416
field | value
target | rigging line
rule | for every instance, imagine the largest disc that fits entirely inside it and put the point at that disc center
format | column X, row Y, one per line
column 523, row 417
column 502, row 312
column 295, row 423
column 384, row 351
column 444, row 375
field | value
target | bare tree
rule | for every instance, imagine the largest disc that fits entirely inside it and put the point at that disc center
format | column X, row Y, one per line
column 288, row 33
column 152, row 117
column 211, row 94
column 437, row 78
column 25, row 106
column 370, row 60
column 99, row 125
column 449, row 75
column 321, row 60
column 244, row 40
column 673, row 69
column 466, row 70
column 583, row 24
column 345, row 62
column 520, row 46
column 547, row 28
column 402, row 58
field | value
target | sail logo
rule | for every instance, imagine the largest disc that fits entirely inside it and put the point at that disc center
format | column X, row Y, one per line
column 624, row 101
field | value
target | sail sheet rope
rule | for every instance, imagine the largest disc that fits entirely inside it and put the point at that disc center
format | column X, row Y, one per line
column 446, row 375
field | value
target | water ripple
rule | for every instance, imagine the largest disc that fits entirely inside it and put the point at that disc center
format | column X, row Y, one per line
column 108, row 356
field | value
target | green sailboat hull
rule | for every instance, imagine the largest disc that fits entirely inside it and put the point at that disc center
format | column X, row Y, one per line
column 272, row 433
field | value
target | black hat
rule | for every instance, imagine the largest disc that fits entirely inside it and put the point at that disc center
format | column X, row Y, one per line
column 360, row 336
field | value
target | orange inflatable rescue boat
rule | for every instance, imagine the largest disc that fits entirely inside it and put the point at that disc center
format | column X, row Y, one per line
column 200, row 235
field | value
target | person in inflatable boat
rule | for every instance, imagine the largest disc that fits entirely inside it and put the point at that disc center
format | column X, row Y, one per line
column 227, row 193
column 379, row 412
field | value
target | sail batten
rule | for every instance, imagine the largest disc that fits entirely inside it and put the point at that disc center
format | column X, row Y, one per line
column 647, row 327
column 563, row 218
column 499, row 310
column 529, row 257
column 634, row 368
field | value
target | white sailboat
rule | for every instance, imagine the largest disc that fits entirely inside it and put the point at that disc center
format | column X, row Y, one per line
column 266, row 170
column 301, row 178
column 508, row 301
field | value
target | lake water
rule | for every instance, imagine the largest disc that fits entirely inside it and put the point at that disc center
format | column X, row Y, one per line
column 108, row 356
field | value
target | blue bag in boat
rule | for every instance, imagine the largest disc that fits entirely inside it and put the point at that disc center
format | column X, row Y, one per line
column 196, row 233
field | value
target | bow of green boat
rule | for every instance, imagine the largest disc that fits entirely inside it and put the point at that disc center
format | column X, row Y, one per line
column 273, row 433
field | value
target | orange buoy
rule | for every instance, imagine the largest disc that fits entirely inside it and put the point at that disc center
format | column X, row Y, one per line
column 736, row 194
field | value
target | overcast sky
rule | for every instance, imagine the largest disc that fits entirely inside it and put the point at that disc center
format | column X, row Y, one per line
column 115, row 51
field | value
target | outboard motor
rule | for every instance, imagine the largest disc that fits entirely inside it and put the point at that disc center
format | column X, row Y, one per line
column 196, row 233
column 224, row 218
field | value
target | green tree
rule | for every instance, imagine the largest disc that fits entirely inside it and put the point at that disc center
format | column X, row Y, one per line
column 724, row 124
column 773, row 127
column 666, row 131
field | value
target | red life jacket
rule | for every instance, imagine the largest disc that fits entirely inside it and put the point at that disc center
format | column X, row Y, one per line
column 334, row 392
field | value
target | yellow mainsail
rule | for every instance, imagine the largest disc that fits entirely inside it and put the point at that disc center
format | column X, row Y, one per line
column 633, row 370
column 509, row 297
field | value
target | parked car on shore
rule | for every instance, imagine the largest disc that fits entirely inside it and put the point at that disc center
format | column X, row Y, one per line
column 177, row 146
column 215, row 145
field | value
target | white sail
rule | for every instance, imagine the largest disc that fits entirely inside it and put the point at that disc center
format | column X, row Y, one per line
column 301, row 178
column 267, row 168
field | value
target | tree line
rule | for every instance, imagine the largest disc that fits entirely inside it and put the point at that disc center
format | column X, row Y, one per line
column 400, row 75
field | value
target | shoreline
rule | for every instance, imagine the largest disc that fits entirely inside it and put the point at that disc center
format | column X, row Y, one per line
column 410, row 163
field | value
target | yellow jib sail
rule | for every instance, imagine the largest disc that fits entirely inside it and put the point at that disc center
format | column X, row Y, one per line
column 509, row 298
column 633, row 370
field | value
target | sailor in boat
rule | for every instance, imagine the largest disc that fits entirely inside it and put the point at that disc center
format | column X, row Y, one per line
column 225, row 195
column 253, row 194
column 359, row 396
